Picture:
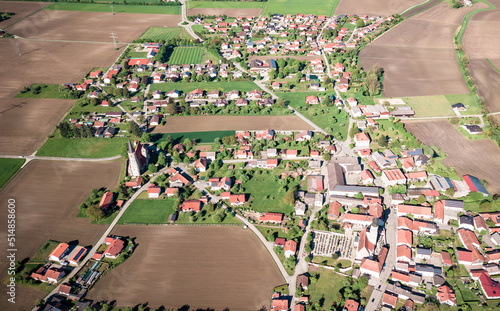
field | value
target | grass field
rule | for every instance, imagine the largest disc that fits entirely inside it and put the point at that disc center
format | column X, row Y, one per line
column 201, row 137
column 226, row 5
column 183, row 55
column 430, row 106
column 82, row 147
column 164, row 33
column 322, row 116
column 264, row 192
column 8, row 168
column 148, row 211
column 316, row 7
column 242, row 86
column 117, row 8
column 46, row 91
column 328, row 284
column 43, row 253
column 467, row 100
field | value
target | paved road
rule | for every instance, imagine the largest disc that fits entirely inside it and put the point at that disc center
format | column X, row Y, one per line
column 185, row 20
column 128, row 114
column 328, row 71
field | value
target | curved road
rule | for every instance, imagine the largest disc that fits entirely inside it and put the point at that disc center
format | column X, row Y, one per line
column 185, row 20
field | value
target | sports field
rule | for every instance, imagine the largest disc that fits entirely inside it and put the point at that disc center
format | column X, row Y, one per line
column 116, row 8
column 8, row 167
column 182, row 55
column 201, row 137
column 317, row 7
column 164, row 33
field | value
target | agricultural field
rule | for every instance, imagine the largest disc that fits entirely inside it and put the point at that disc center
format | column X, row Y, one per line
column 231, row 123
column 430, row 106
column 316, row 7
column 374, row 8
column 234, row 272
column 201, row 137
column 181, row 55
column 26, row 122
column 21, row 10
column 418, row 56
column 82, row 147
column 461, row 153
column 164, row 33
column 226, row 5
column 186, row 87
column 117, row 8
column 148, row 211
column 55, row 189
column 89, row 26
column 8, row 168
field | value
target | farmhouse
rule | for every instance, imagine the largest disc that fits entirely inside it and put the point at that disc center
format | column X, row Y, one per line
column 393, row 177
column 106, row 200
column 59, row 252
column 48, row 274
column 272, row 218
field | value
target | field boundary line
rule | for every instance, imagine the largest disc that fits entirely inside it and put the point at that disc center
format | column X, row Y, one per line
column 493, row 65
column 25, row 17
column 419, row 5
column 14, row 175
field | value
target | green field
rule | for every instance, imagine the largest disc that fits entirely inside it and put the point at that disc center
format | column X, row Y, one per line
column 264, row 193
column 43, row 253
column 226, row 4
column 148, row 211
column 316, row 7
column 164, row 33
column 327, row 286
column 46, row 91
column 201, row 137
column 82, row 147
column 186, row 87
column 430, row 106
column 8, row 168
column 117, row 8
column 322, row 116
column 183, row 55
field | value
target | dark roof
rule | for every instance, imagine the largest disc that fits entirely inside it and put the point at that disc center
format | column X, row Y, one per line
column 467, row 220
column 458, row 105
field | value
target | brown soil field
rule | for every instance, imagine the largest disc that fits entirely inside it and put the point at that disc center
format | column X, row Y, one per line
column 49, row 62
column 228, row 12
column 89, row 26
column 374, row 8
column 47, row 195
column 203, row 267
column 480, row 158
column 26, row 122
column 481, row 42
column 418, row 56
column 230, row 123
column 419, row 9
column 21, row 8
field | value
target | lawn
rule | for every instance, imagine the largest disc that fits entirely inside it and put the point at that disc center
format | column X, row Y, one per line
column 117, row 8
column 264, row 193
column 43, row 253
column 319, row 114
column 148, row 211
column 467, row 100
column 186, row 87
column 226, row 4
column 186, row 55
column 467, row 294
column 8, row 168
column 164, row 33
column 327, row 286
column 133, row 54
column 201, row 137
column 317, row 7
column 430, row 106
column 46, row 91
column 82, row 147
column 279, row 233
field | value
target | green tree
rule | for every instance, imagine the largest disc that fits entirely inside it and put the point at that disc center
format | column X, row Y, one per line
column 421, row 199
column 353, row 131
column 360, row 23
column 327, row 156
column 450, row 192
column 145, row 138
column 95, row 213
column 134, row 129
column 152, row 168
column 382, row 141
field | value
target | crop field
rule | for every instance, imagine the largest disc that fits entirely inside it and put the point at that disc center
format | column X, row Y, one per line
column 316, row 7
column 201, row 137
column 182, row 55
column 89, row 26
column 226, row 4
column 482, row 45
column 480, row 158
column 21, row 8
column 47, row 195
column 418, row 56
column 231, row 123
column 117, row 8
column 242, row 86
column 8, row 167
column 374, row 8
column 26, row 122
column 227, row 267
column 93, row 147
column 164, row 33
column 232, row 9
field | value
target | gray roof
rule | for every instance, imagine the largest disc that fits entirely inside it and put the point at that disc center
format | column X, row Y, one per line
column 466, row 220
column 453, row 204
column 424, row 251
column 335, row 175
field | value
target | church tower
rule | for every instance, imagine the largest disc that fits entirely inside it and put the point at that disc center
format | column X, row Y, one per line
column 133, row 162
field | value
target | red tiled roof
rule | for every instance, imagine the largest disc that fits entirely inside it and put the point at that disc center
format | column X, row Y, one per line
column 59, row 250
column 115, row 247
column 291, row 245
column 277, row 217
column 351, row 305
column 490, row 287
